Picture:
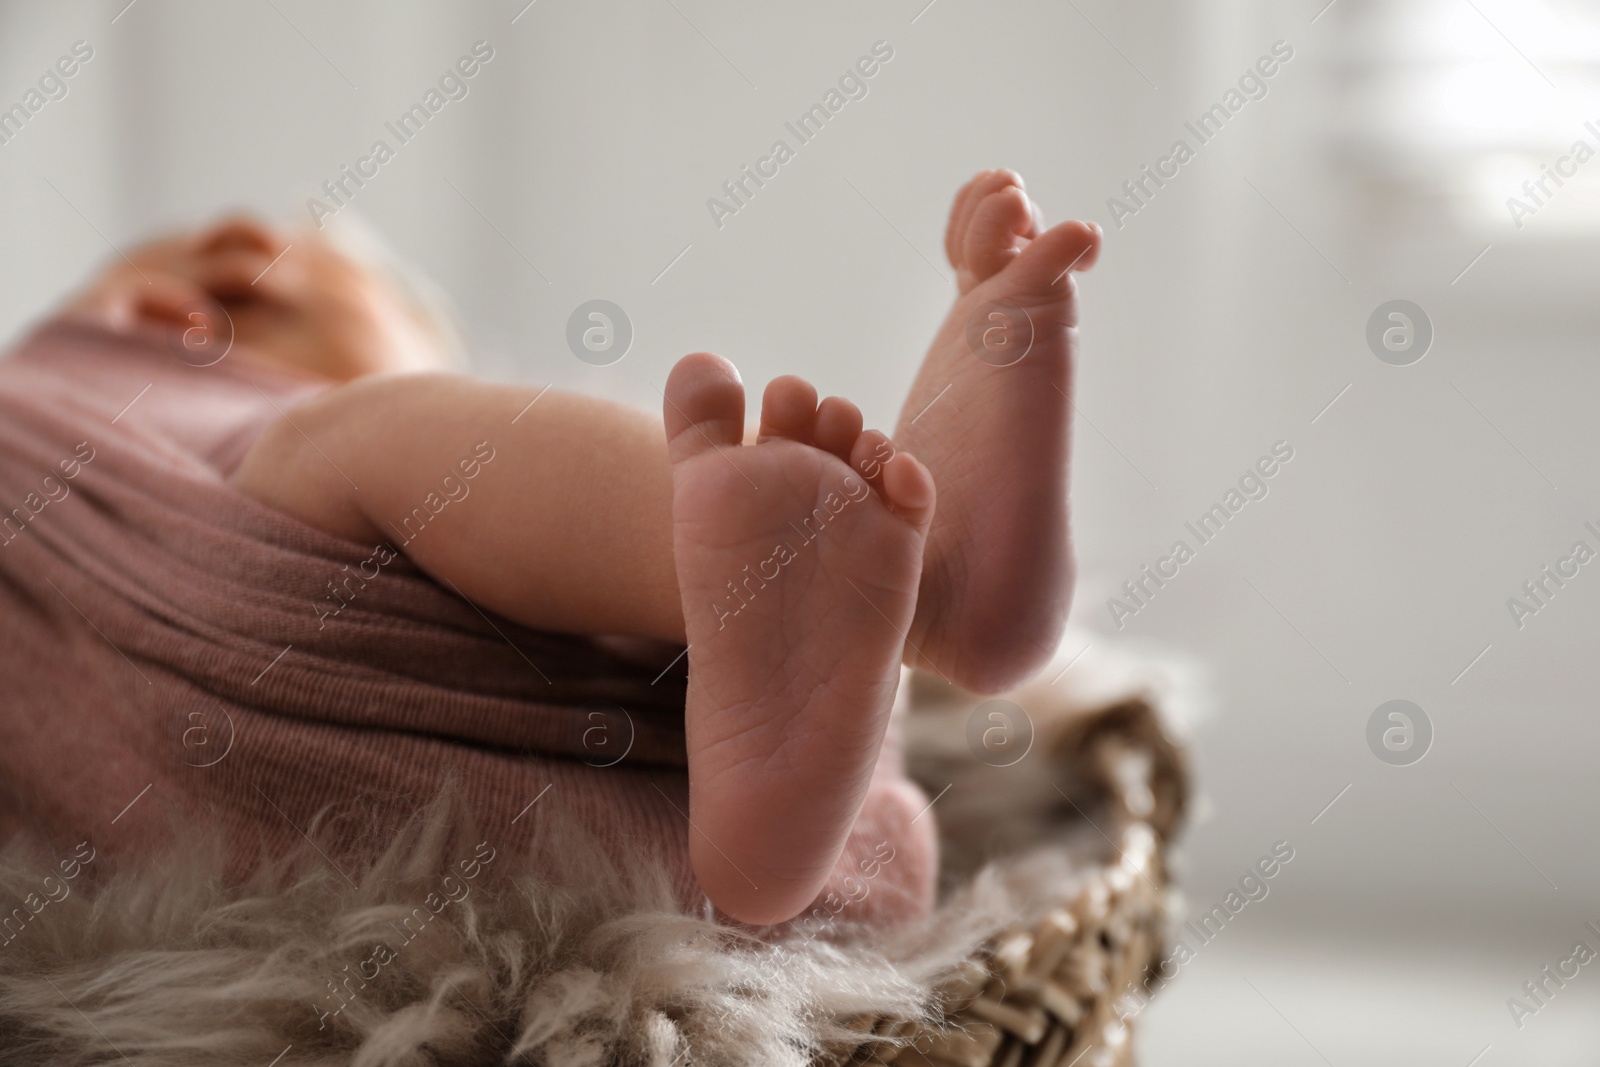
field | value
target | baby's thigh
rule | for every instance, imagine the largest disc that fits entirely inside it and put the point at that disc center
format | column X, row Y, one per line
column 314, row 460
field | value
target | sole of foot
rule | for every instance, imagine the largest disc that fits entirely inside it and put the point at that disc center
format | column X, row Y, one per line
column 798, row 560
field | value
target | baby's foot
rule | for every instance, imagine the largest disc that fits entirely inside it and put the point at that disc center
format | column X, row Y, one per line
column 998, row 575
column 799, row 576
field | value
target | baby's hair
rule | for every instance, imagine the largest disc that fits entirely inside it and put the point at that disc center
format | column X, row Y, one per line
column 360, row 240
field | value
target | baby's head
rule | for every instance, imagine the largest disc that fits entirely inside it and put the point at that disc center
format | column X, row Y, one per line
column 329, row 301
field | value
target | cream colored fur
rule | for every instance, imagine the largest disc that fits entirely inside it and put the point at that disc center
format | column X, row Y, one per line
column 169, row 966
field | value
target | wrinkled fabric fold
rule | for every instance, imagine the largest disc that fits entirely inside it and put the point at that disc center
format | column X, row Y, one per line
column 158, row 629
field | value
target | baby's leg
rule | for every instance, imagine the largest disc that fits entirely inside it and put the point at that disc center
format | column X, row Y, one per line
column 798, row 558
column 565, row 522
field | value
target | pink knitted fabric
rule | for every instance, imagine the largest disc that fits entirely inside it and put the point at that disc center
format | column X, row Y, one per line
column 167, row 649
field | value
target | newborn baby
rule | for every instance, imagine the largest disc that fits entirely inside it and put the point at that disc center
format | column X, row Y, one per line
column 801, row 565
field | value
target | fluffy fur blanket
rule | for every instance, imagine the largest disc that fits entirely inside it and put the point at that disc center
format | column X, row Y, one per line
column 444, row 951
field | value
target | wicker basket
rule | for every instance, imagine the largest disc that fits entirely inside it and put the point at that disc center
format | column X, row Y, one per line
column 1046, row 993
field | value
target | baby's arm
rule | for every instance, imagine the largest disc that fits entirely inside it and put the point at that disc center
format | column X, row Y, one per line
column 558, row 515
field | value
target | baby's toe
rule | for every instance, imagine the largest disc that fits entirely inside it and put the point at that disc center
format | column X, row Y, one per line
column 838, row 426
column 998, row 231
column 954, row 233
column 899, row 478
column 1037, row 274
column 788, row 410
column 702, row 405
column 908, row 487
column 966, row 205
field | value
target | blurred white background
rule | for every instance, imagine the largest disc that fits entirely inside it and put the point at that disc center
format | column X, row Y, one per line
column 1228, row 314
